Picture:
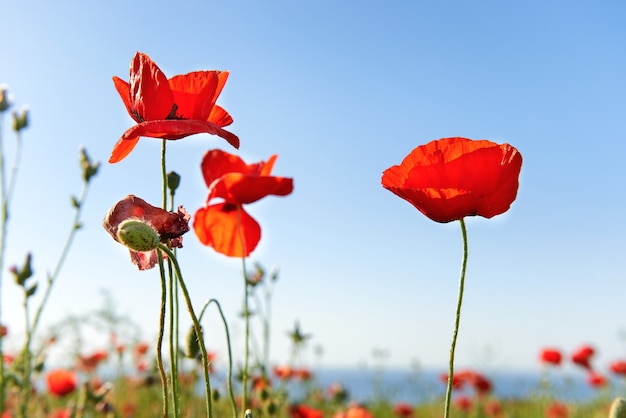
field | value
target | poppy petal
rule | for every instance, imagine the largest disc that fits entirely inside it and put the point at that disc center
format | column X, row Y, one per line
column 216, row 163
column 241, row 189
column 194, row 93
column 150, row 93
column 122, row 148
column 123, row 88
column 220, row 117
column 176, row 129
column 222, row 227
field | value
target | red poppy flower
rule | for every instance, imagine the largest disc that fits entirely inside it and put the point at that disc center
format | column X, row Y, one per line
column 464, row 403
column 618, row 367
column 557, row 410
column 170, row 108
column 493, row 409
column 583, row 355
column 403, row 409
column 452, row 178
column 596, row 380
column 168, row 225
column 61, row 382
column 303, row 411
column 283, row 372
column 226, row 226
column 550, row 356
column 90, row 362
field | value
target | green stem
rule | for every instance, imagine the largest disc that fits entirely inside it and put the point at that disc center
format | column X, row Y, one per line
column 457, row 321
column 229, row 376
column 3, row 235
column 196, row 324
column 246, row 315
column 163, row 174
column 173, row 343
column 26, row 383
column 159, row 346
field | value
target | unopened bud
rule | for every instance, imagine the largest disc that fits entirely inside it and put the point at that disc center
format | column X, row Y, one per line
column 192, row 345
column 20, row 120
column 89, row 169
column 618, row 408
column 173, row 181
column 22, row 274
column 4, row 99
column 137, row 235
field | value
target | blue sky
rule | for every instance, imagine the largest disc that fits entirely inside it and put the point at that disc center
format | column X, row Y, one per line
column 341, row 91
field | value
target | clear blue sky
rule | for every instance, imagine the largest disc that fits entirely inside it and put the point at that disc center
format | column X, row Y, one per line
column 341, row 91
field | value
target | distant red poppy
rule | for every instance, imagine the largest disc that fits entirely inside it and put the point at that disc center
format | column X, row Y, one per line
column 493, row 409
column 403, row 409
column 283, row 372
column 3, row 330
column 60, row 413
column 89, row 363
column 304, row 411
column 458, row 380
column 550, row 356
column 596, row 380
column 170, row 226
column 61, row 382
column 582, row 356
column 226, row 226
column 170, row 108
column 618, row 367
column 357, row 411
column 451, row 178
column 463, row 403
column 557, row 410
column 302, row 374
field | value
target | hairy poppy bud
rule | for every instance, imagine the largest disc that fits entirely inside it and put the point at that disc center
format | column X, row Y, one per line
column 618, row 408
column 20, row 120
column 4, row 99
column 192, row 345
column 137, row 235
column 173, row 181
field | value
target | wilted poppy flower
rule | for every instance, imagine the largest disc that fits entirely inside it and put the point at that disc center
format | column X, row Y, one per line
column 170, row 108
column 451, row 178
column 61, row 382
column 168, row 225
column 582, row 356
column 618, row 367
column 226, row 226
column 550, row 356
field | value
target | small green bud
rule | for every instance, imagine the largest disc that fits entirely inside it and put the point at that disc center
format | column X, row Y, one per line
column 618, row 408
column 271, row 408
column 22, row 274
column 31, row 290
column 192, row 345
column 137, row 235
column 75, row 202
column 5, row 103
column 173, row 181
column 216, row 395
column 89, row 169
column 20, row 120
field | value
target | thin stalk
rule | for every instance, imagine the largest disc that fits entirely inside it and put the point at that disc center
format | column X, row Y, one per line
column 26, row 383
column 159, row 346
column 457, row 321
column 175, row 313
column 173, row 369
column 246, row 315
column 3, row 238
column 229, row 375
column 196, row 324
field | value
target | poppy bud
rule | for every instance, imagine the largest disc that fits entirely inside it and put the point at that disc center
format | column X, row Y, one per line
column 618, row 408
column 173, row 181
column 89, row 169
column 21, row 275
column 20, row 120
column 192, row 345
column 4, row 99
column 137, row 235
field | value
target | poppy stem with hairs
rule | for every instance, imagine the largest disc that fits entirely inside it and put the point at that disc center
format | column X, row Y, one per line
column 196, row 325
column 159, row 355
column 246, row 314
column 457, row 320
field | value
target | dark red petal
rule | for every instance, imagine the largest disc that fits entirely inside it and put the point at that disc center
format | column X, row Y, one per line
column 222, row 227
column 177, row 129
column 150, row 94
column 241, row 189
